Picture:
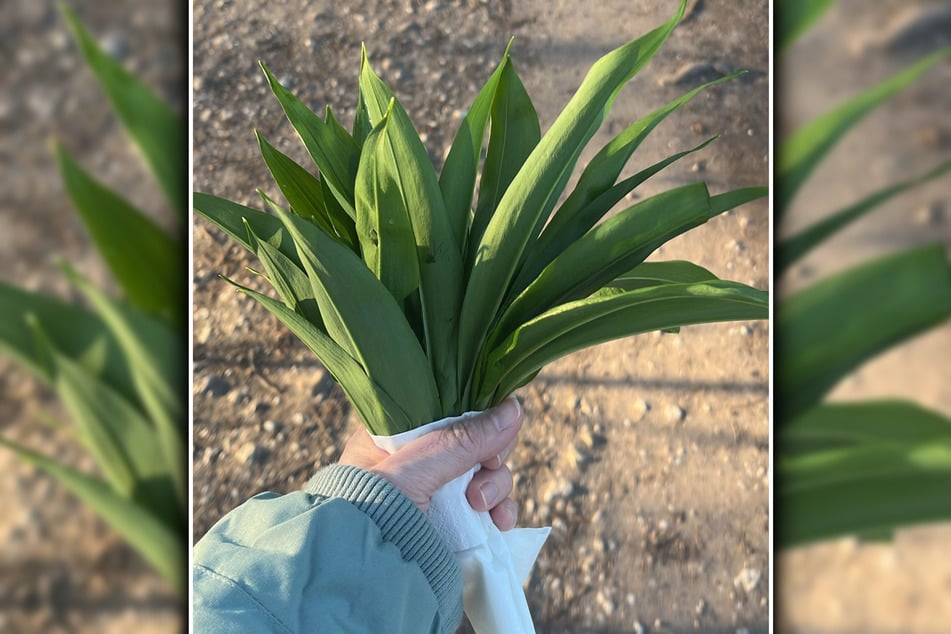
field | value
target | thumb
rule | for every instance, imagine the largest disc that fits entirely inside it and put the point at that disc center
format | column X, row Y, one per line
column 429, row 462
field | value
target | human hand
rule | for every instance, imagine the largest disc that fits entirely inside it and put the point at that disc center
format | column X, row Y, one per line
column 429, row 462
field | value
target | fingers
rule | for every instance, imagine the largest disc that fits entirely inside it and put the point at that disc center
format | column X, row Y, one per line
column 498, row 461
column 489, row 488
column 505, row 515
column 431, row 461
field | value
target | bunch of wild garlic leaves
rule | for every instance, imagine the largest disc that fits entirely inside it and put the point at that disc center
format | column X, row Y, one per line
column 425, row 301
column 117, row 365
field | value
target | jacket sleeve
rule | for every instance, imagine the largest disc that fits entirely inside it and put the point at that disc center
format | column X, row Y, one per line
column 350, row 553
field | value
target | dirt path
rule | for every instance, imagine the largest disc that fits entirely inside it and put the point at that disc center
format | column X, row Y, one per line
column 649, row 457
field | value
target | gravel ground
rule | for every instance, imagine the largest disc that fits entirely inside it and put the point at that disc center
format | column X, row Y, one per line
column 649, row 457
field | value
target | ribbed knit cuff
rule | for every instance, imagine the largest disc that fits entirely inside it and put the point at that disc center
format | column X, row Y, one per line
column 402, row 524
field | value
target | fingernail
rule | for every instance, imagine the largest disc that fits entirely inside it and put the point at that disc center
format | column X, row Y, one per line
column 489, row 492
column 503, row 417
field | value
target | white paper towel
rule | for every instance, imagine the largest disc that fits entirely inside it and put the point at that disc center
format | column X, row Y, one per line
column 494, row 564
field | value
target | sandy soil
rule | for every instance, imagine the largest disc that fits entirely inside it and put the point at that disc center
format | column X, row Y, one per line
column 62, row 569
column 845, row 586
column 649, row 457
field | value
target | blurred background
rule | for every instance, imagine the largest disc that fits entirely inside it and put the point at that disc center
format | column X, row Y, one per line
column 61, row 568
column 845, row 585
column 649, row 456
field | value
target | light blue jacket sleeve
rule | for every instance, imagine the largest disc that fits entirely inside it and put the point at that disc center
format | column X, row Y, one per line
column 350, row 553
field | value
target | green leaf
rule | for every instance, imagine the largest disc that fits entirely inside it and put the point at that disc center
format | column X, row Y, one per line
column 383, row 219
column 157, row 131
column 234, row 219
column 381, row 413
column 563, row 230
column 829, row 329
column 533, row 193
column 794, row 17
column 334, row 151
column 458, row 176
column 657, row 273
column 305, row 194
column 160, row 544
column 608, row 250
column 839, row 425
column 806, row 147
column 607, row 315
column 724, row 202
column 145, row 261
column 158, row 372
column 862, row 490
column 142, row 257
column 289, row 280
column 514, row 134
column 440, row 263
column 794, row 248
column 353, row 304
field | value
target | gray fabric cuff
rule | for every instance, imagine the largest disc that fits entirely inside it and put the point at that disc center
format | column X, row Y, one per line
column 402, row 524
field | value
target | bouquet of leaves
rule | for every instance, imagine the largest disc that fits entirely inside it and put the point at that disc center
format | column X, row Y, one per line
column 424, row 300
column 117, row 364
column 861, row 468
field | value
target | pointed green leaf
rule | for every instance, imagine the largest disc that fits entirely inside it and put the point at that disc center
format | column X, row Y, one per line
column 383, row 219
column 794, row 248
column 656, row 273
column 234, row 219
column 608, row 250
column 439, row 260
column 158, row 132
column 533, row 193
column 353, row 304
column 145, row 261
column 514, row 133
column 288, row 280
column 334, row 151
column 611, row 314
column 305, row 194
column 458, row 177
column 830, row 328
column 566, row 228
column 379, row 411
column 160, row 544
column 806, row 147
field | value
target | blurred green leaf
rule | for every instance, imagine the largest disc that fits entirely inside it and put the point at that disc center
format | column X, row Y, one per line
column 158, row 543
column 656, row 273
column 794, row 17
column 143, row 258
column 806, row 147
column 792, row 249
column 826, row 331
column 158, row 132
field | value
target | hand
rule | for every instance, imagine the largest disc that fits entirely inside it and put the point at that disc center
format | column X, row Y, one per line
column 429, row 462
